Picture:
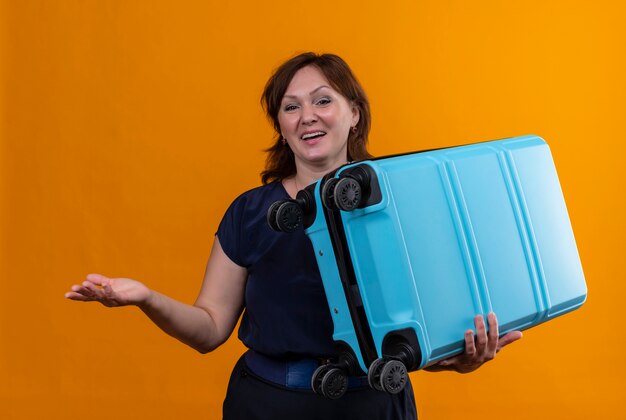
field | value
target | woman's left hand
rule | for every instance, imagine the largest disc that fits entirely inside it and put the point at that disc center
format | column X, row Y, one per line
column 478, row 349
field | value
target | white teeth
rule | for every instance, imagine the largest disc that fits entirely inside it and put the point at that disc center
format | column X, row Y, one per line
column 310, row 135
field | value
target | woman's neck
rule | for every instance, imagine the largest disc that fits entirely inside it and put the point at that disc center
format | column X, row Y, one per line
column 308, row 174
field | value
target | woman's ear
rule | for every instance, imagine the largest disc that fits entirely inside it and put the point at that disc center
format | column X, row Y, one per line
column 356, row 115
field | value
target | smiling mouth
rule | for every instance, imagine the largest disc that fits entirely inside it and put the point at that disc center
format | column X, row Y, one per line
column 311, row 136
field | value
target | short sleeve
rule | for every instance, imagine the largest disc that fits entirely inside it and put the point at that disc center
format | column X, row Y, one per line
column 230, row 232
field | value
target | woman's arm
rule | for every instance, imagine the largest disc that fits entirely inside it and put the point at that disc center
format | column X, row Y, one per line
column 204, row 325
column 478, row 349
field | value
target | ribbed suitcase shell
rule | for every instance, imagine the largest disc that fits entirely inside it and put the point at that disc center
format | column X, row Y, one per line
column 458, row 232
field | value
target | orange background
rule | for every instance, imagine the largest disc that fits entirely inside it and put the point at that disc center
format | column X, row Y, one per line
column 127, row 127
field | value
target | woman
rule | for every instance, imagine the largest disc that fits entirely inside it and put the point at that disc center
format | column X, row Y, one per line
column 322, row 120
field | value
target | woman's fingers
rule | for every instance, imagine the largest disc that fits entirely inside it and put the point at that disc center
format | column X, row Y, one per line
column 470, row 344
column 79, row 292
column 77, row 296
column 108, row 290
column 481, row 334
column 480, row 348
column 508, row 338
column 98, row 279
column 492, row 345
column 93, row 288
column 95, row 292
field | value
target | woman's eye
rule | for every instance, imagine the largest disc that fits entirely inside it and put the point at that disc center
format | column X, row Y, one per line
column 323, row 101
column 290, row 107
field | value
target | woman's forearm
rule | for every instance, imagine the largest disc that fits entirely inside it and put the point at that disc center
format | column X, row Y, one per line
column 204, row 325
column 189, row 324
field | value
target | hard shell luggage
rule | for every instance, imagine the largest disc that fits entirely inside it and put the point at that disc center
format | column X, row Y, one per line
column 411, row 247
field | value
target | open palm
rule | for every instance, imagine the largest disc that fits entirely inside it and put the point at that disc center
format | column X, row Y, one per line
column 109, row 291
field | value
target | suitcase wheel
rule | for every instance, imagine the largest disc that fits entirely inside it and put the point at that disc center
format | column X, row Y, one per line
column 329, row 381
column 347, row 194
column 328, row 194
column 387, row 375
column 288, row 217
column 334, row 384
column 393, row 376
column 316, row 379
column 271, row 215
column 285, row 216
column 373, row 374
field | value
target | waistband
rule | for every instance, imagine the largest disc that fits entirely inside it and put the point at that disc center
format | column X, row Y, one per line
column 295, row 374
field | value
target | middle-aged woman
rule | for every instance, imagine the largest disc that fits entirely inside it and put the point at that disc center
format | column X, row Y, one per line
column 321, row 116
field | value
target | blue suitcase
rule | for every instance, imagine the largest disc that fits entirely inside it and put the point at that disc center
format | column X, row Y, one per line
column 411, row 247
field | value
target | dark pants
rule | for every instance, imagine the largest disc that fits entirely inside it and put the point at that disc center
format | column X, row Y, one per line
column 252, row 398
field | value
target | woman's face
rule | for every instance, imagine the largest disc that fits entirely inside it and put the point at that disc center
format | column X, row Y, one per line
column 316, row 120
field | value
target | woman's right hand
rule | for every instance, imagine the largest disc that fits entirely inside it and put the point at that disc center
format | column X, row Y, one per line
column 204, row 325
column 109, row 292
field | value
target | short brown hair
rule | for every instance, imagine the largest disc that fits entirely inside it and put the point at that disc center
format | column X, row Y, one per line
column 280, row 162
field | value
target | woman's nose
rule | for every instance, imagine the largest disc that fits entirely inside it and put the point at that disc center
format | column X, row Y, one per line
column 308, row 115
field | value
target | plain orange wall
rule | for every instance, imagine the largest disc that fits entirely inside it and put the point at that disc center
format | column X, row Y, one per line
column 127, row 127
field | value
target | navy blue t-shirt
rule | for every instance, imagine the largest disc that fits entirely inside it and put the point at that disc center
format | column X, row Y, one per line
column 286, row 313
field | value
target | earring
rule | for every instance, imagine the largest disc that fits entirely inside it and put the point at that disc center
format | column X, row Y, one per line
column 283, row 140
column 353, row 129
